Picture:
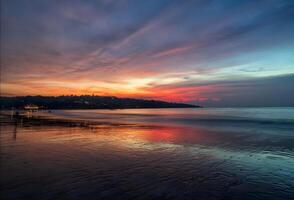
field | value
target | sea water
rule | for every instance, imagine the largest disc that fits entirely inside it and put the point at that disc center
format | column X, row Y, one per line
column 205, row 153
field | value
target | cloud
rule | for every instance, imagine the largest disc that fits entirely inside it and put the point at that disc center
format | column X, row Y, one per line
column 174, row 46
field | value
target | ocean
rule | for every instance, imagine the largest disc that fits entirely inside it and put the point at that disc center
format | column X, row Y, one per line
column 187, row 153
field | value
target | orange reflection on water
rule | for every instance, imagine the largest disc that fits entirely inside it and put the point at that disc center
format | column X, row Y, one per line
column 105, row 137
column 170, row 134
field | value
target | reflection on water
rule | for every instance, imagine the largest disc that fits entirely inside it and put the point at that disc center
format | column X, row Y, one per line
column 131, row 161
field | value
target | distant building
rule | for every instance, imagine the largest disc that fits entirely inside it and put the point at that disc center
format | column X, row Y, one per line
column 31, row 107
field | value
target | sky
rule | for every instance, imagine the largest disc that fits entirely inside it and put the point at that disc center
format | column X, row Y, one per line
column 223, row 53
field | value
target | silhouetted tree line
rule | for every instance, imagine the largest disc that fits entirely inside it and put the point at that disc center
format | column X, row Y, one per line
column 85, row 102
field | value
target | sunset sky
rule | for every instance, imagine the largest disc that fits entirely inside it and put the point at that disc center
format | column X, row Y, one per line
column 208, row 52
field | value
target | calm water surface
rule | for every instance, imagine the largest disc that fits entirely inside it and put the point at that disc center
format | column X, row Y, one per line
column 245, row 153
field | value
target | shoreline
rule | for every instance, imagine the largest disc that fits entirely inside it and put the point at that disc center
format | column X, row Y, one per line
column 41, row 120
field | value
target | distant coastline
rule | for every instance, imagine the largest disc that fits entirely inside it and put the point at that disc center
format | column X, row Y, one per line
column 85, row 102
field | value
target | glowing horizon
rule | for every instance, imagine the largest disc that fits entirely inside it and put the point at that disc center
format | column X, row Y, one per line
column 219, row 53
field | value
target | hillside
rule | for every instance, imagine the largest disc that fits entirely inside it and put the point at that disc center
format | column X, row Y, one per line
column 85, row 102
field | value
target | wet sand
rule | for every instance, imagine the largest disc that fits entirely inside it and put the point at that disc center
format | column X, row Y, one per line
column 82, row 159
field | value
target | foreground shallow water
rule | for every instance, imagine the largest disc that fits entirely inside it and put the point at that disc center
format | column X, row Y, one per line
column 170, row 159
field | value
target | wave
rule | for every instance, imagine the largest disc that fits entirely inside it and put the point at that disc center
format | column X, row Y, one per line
column 240, row 120
column 179, row 116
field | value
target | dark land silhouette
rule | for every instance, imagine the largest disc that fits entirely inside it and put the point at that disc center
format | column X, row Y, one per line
column 85, row 102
